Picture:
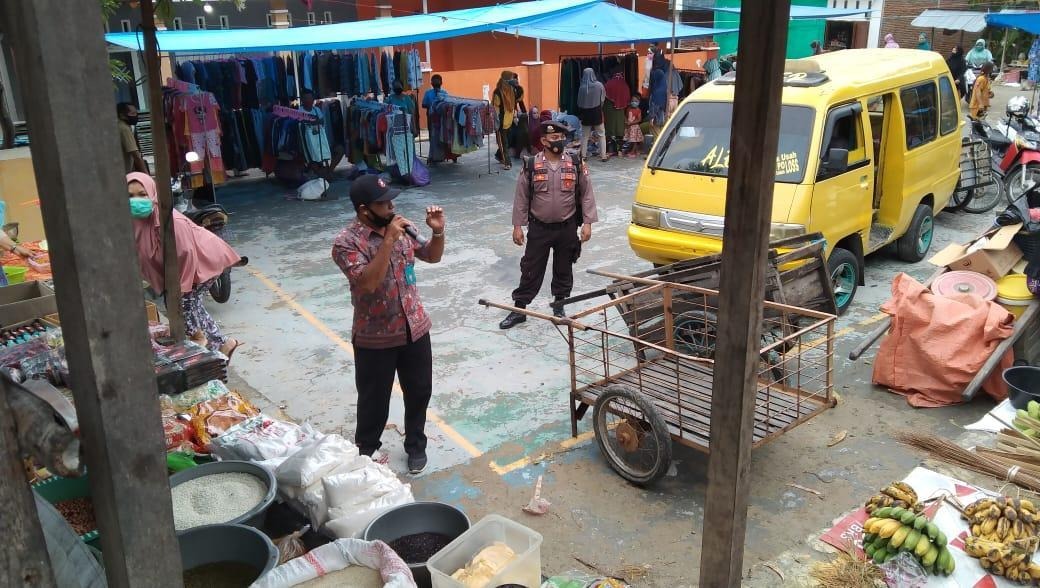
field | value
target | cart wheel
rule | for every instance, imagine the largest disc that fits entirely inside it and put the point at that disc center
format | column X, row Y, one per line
column 632, row 435
column 695, row 333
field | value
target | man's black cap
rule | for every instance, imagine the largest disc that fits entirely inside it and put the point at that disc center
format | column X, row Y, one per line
column 371, row 188
column 554, row 126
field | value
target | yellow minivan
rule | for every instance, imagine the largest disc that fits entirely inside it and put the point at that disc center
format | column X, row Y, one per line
column 869, row 151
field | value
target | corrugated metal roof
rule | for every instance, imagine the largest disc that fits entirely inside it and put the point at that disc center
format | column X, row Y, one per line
column 955, row 20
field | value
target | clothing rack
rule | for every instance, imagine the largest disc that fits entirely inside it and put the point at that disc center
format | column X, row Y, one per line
column 286, row 112
column 633, row 84
column 472, row 101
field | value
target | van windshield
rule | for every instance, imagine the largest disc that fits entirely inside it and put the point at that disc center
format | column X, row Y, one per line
column 697, row 141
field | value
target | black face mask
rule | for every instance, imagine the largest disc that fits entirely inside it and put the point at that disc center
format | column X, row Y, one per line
column 131, row 120
column 557, row 146
column 379, row 221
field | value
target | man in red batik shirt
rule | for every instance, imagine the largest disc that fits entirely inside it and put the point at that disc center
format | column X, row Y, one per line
column 391, row 331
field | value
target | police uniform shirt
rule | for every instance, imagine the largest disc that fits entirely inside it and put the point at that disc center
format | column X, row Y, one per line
column 553, row 198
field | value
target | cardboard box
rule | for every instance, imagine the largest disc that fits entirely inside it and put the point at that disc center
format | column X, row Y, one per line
column 150, row 309
column 26, row 301
column 994, row 258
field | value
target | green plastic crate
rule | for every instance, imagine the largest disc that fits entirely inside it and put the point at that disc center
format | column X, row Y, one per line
column 56, row 489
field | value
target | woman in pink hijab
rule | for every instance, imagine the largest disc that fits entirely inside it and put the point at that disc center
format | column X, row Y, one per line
column 203, row 256
column 890, row 42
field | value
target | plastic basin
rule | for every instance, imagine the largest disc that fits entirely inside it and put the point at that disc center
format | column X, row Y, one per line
column 253, row 517
column 227, row 543
column 418, row 517
column 1023, row 385
column 524, row 570
column 15, row 274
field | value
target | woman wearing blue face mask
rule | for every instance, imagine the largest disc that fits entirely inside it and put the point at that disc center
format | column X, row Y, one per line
column 202, row 257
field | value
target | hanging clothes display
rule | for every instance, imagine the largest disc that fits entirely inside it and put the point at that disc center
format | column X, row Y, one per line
column 604, row 66
column 381, row 136
column 193, row 124
column 458, row 126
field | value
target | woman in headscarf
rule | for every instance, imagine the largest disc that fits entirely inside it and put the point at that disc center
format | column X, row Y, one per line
column 981, row 93
column 591, row 96
column 658, row 91
column 890, row 42
column 537, row 118
column 712, row 69
column 979, row 55
column 202, row 257
column 957, row 67
column 618, row 97
column 817, row 47
column 922, row 42
column 504, row 100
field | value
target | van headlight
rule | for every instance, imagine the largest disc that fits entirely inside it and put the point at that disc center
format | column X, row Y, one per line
column 646, row 216
column 779, row 231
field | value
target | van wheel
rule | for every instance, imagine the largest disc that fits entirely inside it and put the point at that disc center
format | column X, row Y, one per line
column 914, row 245
column 845, row 272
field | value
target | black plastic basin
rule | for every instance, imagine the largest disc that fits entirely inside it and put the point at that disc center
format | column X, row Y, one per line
column 1023, row 385
column 418, row 517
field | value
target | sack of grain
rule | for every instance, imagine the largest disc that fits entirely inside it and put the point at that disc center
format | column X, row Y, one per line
column 309, row 464
column 359, row 485
column 342, row 554
column 352, row 521
column 262, row 438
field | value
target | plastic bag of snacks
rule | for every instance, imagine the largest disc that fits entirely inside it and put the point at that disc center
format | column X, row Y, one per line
column 189, row 398
column 179, row 435
column 213, row 417
column 291, row 546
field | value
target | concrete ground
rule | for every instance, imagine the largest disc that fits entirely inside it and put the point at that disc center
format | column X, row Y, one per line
column 499, row 416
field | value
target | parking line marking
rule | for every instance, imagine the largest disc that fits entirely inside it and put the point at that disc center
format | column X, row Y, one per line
column 324, row 329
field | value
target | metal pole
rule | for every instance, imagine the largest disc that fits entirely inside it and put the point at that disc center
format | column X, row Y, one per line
column 172, row 271
column 426, row 10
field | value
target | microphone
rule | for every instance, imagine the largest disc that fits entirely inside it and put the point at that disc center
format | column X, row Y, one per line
column 414, row 234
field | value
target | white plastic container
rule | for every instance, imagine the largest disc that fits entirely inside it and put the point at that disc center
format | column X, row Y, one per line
column 525, row 570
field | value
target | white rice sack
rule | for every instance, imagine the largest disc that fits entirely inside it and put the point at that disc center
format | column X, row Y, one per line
column 356, row 486
column 310, row 463
column 262, row 438
column 339, row 555
column 354, row 524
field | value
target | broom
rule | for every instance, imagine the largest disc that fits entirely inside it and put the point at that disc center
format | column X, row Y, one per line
column 951, row 453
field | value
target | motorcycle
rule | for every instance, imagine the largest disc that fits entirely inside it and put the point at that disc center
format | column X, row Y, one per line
column 211, row 216
column 1016, row 143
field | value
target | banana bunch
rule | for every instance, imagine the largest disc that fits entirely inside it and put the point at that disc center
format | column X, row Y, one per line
column 1002, row 519
column 896, row 494
column 1010, row 560
column 894, row 529
column 1028, row 421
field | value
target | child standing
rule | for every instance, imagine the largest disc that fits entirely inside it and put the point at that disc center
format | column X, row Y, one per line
column 633, row 132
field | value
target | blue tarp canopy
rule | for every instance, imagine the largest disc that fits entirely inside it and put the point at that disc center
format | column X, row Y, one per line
column 1026, row 21
column 360, row 34
column 604, row 22
column 808, row 12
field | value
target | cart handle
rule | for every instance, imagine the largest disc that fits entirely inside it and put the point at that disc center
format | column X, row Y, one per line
column 566, row 321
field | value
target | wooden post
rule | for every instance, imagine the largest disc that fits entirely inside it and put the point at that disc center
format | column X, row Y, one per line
column 162, row 172
column 749, row 204
column 67, row 89
column 23, row 556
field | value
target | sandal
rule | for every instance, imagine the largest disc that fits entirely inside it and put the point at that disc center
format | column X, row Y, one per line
column 231, row 345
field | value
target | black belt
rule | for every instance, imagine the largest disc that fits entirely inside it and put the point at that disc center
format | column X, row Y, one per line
column 562, row 224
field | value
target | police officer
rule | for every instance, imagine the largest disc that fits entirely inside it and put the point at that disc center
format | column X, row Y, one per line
column 554, row 199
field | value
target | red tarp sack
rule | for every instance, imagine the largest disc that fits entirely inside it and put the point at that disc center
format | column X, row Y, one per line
column 936, row 345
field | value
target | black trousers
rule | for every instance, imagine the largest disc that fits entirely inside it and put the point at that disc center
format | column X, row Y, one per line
column 374, row 375
column 562, row 240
